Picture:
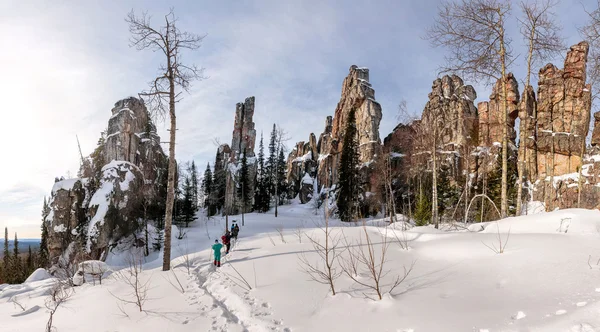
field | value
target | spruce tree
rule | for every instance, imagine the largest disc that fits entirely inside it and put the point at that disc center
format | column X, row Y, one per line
column 43, row 256
column 194, row 183
column 261, row 193
column 17, row 266
column 348, row 172
column 422, row 210
column 243, row 191
column 448, row 193
column 159, row 238
column 281, row 181
column 6, row 261
column 186, row 211
column 218, row 183
column 207, row 185
column 272, row 162
column 30, row 265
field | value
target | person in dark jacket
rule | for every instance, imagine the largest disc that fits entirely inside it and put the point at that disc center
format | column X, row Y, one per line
column 226, row 239
column 235, row 229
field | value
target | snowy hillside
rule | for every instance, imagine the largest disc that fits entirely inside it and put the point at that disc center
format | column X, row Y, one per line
column 547, row 279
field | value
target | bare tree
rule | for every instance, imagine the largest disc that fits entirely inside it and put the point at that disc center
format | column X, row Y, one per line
column 163, row 93
column 281, row 138
column 374, row 262
column 540, row 30
column 59, row 294
column 132, row 277
column 325, row 270
column 473, row 32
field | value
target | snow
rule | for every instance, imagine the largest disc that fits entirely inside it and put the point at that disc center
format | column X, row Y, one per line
column 323, row 156
column 542, row 282
column 307, row 156
column 307, row 179
column 60, row 228
column 67, row 184
column 396, row 155
column 37, row 275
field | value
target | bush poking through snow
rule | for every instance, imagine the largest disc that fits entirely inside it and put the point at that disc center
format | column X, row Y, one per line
column 501, row 245
column 132, row 277
column 365, row 257
column 59, row 294
column 280, row 232
column 325, row 269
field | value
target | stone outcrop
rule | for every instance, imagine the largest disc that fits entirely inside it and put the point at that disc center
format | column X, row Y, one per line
column 528, row 135
column 230, row 157
column 563, row 114
column 490, row 113
column 89, row 215
column 302, row 161
column 320, row 158
column 449, row 121
column 596, row 132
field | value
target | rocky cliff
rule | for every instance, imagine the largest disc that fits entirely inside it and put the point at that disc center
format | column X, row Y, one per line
column 124, row 178
column 316, row 162
column 229, row 159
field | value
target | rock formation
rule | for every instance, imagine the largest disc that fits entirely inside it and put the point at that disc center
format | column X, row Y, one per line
column 490, row 113
column 448, row 122
column 89, row 215
column 320, row 159
column 563, row 114
column 230, row 157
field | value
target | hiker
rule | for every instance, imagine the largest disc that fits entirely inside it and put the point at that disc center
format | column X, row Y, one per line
column 217, row 250
column 226, row 239
column 235, row 229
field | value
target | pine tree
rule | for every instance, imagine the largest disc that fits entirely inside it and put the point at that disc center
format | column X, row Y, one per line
column 186, row 211
column 244, row 193
column 17, row 266
column 272, row 162
column 159, row 239
column 422, row 210
column 6, row 259
column 207, row 185
column 194, row 182
column 261, row 193
column 218, row 183
column 448, row 193
column 281, row 181
column 43, row 256
column 30, row 265
column 348, row 172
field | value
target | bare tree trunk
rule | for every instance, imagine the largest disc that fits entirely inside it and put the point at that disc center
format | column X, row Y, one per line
column 434, row 196
column 171, row 174
column 504, row 196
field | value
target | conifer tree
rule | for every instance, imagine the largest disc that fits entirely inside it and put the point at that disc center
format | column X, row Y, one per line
column 159, row 238
column 6, row 261
column 281, row 181
column 244, row 193
column 218, row 183
column 447, row 192
column 348, row 172
column 186, row 210
column 422, row 210
column 261, row 194
column 29, row 263
column 194, row 183
column 17, row 266
column 43, row 256
column 207, row 185
column 272, row 162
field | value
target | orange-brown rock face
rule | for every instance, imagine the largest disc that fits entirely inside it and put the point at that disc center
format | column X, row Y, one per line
column 563, row 114
column 490, row 113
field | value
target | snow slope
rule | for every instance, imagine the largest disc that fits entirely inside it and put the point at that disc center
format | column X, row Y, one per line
column 542, row 282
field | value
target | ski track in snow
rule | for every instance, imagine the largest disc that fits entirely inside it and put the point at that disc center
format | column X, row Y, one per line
column 228, row 311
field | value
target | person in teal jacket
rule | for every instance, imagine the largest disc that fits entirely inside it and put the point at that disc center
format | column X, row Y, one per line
column 217, row 250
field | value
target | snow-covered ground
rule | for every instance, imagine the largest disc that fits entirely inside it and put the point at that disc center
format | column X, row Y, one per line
column 547, row 279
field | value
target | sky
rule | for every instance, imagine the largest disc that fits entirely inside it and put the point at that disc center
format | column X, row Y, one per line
column 65, row 64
